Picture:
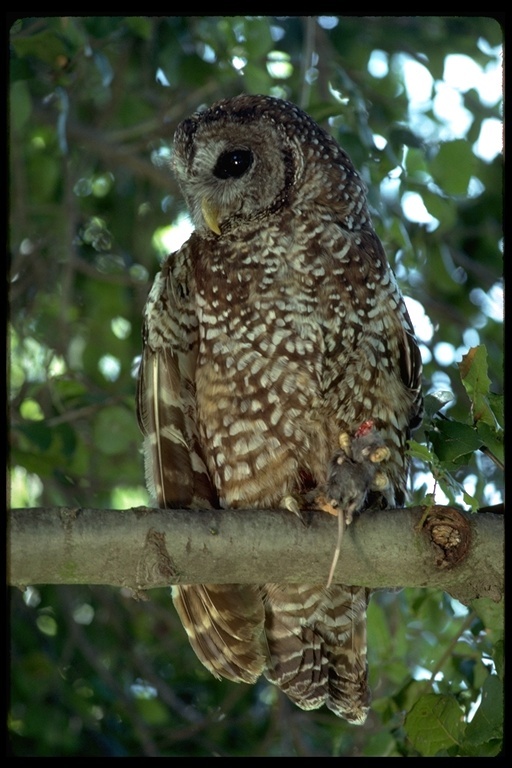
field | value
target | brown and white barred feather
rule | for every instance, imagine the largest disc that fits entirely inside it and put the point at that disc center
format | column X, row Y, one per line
column 276, row 327
column 224, row 624
column 317, row 645
column 176, row 474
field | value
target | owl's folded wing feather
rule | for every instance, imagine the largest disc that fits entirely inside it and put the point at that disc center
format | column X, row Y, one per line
column 411, row 370
column 176, row 473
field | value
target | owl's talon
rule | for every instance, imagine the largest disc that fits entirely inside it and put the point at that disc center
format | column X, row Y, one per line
column 291, row 503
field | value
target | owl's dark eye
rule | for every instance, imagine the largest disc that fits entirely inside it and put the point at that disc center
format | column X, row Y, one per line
column 233, row 164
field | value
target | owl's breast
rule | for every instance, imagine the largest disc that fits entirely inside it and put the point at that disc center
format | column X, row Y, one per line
column 259, row 385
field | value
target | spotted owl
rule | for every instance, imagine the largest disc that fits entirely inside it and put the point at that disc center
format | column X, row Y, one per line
column 276, row 328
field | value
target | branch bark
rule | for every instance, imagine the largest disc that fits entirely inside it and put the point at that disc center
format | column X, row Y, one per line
column 144, row 548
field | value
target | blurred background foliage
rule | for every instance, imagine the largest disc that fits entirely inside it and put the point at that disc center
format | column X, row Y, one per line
column 94, row 101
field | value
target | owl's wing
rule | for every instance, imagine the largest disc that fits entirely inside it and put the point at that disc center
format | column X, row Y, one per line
column 176, row 472
column 224, row 622
column 411, row 368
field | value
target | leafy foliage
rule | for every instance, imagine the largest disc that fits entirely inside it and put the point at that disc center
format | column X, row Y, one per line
column 452, row 443
column 93, row 105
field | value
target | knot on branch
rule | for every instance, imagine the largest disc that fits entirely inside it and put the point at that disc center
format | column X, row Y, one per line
column 155, row 562
column 449, row 533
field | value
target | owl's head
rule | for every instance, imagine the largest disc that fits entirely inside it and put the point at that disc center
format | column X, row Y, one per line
column 247, row 158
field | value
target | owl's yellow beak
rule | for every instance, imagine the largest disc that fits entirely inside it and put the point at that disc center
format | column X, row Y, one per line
column 211, row 215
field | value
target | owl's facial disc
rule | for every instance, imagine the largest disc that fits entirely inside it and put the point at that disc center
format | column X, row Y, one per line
column 233, row 173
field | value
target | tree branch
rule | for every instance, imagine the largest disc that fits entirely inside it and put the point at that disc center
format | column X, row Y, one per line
column 144, row 548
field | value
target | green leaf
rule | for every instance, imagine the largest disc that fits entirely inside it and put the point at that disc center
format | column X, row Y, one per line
column 46, row 46
column 491, row 614
column 20, row 105
column 114, row 427
column 38, row 433
column 453, row 441
column 498, row 656
column 420, row 451
column 45, row 174
column 452, row 167
column 498, row 407
column 256, row 79
column 487, row 724
column 415, row 164
column 473, row 373
column 140, row 25
column 493, row 439
column 380, row 744
column 71, row 392
column 442, row 208
column 258, row 40
column 65, row 436
column 39, row 464
column 154, row 712
column 453, row 489
column 490, row 748
column 436, row 400
column 435, row 723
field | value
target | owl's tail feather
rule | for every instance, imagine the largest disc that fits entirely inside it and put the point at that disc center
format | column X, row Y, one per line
column 317, row 647
column 224, row 624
